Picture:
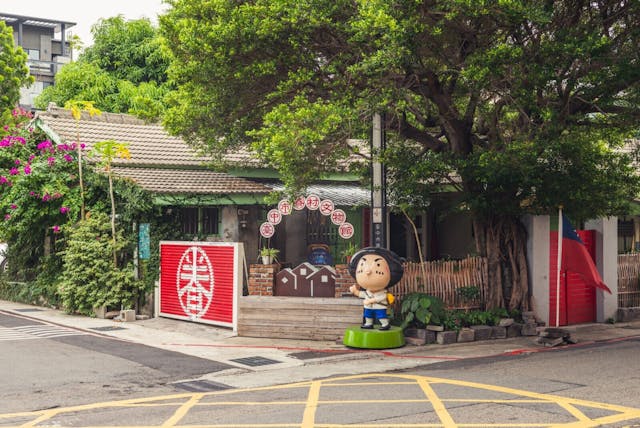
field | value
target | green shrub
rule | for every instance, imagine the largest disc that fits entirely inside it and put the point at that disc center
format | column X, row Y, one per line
column 90, row 279
column 420, row 309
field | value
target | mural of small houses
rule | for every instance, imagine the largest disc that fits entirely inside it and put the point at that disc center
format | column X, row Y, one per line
column 306, row 280
column 323, row 282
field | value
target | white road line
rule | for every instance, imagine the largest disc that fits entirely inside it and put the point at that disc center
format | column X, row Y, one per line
column 28, row 332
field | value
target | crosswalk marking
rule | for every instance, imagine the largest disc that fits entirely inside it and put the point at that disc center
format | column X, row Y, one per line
column 40, row 331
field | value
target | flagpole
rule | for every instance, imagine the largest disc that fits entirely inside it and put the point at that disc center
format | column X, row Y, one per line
column 559, row 266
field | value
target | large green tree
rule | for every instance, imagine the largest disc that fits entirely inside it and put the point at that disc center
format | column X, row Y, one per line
column 14, row 72
column 124, row 71
column 519, row 105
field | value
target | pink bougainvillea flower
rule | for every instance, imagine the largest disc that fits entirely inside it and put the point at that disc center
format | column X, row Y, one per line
column 51, row 161
column 17, row 161
column 56, row 229
column 7, row 216
column 32, row 193
column 32, row 157
column 68, row 158
column 27, row 170
column 82, row 146
column 45, row 145
column 46, row 197
column 14, row 171
column 3, row 179
column 13, row 206
column 64, row 210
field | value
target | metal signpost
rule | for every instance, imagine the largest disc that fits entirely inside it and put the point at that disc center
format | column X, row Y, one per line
column 378, row 190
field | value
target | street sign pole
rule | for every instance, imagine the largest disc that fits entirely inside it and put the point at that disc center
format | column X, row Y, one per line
column 378, row 189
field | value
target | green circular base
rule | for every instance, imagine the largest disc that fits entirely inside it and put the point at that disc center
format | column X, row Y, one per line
column 356, row 337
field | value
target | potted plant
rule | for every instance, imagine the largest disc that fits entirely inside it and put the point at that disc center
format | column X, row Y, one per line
column 348, row 252
column 269, row 255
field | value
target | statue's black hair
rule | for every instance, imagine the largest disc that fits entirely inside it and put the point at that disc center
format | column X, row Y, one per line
column 395, row 262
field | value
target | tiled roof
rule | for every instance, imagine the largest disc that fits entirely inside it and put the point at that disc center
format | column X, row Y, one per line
column 159, row 162
column 149, row 144
column 192, row 181
column 165, row 164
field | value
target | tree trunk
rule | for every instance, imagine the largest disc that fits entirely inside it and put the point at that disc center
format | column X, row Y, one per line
column 502, row 240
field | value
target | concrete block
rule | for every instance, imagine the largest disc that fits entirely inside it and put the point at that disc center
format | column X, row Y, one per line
column 446, row 337
column 498, row 332
column 506, row 322
column 530, row 329
column 128, row 315
column 482, row 332
column 100, row 312
column 424, row 335
column 514, row 330
column 466, row 335
column 416, row 341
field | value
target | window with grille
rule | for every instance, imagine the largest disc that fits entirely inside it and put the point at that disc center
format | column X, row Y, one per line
column 203, row 220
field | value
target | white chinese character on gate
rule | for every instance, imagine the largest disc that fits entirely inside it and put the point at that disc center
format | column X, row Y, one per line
column 338, row 217
column 345, row 230
column 195, row 282
column 312, row 202
column 299, row 203
column 274, row 217
column 284, row 207
column 267, row 229
column 326, row 207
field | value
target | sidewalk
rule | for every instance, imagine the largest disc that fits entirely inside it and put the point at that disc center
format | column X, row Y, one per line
column 286, row 361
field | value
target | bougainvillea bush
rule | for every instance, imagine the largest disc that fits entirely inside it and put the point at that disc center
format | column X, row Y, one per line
column 40, row 210
column 38, row 193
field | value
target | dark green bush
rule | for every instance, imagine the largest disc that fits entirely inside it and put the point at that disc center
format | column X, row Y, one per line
column 90, row 278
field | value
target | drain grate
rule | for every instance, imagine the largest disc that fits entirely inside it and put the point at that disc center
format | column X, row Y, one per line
column 200, row 386
column 28, row 310
column 255, row 361
column 108, row 328
column 309, row 355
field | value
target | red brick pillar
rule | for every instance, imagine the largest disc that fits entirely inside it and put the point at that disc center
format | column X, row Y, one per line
column 261, row 279
column 343, row 281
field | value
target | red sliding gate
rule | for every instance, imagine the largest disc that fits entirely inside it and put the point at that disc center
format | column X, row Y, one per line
column 577, row 299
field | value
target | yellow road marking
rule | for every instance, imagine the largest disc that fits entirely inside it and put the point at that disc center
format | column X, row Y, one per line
column 309, row 417
column 437, row 404
column 312, row 403
column 182, row 411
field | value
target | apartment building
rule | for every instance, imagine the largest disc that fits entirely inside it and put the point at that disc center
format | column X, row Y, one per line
column 45, row 42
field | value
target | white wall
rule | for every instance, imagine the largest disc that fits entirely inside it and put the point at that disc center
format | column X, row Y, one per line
column 607, row 263
column 538, row 253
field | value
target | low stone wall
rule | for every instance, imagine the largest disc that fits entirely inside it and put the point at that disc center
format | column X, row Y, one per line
column 628, row 314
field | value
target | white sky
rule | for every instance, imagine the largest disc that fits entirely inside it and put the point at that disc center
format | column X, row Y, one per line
column 84, row 13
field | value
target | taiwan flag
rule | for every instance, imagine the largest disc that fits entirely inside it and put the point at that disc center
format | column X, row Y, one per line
column 575, row 257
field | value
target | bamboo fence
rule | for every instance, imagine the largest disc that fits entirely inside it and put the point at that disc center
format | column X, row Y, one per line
column 628, row 280
column 444, row 279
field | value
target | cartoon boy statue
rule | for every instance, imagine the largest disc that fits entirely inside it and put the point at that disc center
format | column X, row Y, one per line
column 375, row 269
